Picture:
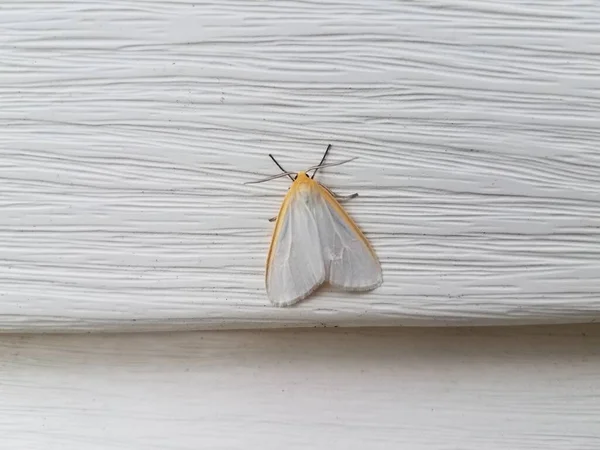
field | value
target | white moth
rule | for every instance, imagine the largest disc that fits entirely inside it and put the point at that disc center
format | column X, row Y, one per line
column 315, row 241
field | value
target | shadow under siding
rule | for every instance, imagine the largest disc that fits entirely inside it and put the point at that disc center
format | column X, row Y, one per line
column 438, row 346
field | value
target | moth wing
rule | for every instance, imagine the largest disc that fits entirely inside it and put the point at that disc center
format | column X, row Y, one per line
column 295, row 266
column 350, row 259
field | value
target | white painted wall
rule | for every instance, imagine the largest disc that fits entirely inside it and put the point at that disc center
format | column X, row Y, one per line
column 493, row 389
column 129, row 127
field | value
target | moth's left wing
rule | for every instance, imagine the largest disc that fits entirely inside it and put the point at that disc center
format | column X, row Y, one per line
column 295, row 265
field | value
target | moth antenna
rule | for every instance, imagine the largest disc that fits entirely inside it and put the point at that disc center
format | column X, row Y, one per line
column 322, row 161
column 284, row 174
column 279, row 165
column 320, row 166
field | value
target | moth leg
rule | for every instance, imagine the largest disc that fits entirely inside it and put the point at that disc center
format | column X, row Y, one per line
column 343, row 198
column 340, row 198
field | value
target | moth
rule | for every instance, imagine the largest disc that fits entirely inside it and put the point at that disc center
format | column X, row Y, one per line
column 315, row 241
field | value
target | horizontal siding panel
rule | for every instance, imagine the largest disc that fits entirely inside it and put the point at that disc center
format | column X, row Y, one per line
column 129, row 128
column 526, row 388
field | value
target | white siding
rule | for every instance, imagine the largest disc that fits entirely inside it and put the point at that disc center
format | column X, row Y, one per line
column 419, row 389
column 129, row 127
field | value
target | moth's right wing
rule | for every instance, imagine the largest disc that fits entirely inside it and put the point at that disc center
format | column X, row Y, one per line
column 295, row 266
column 351, row 261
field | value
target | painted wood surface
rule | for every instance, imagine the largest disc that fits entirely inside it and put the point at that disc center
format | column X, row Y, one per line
column 129, row 128
column 454, row 388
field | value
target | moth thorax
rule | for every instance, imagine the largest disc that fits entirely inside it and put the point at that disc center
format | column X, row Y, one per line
column 305, row 193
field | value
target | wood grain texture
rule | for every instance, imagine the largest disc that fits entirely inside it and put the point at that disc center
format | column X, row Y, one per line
column 129, row 128
column 455, row 388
